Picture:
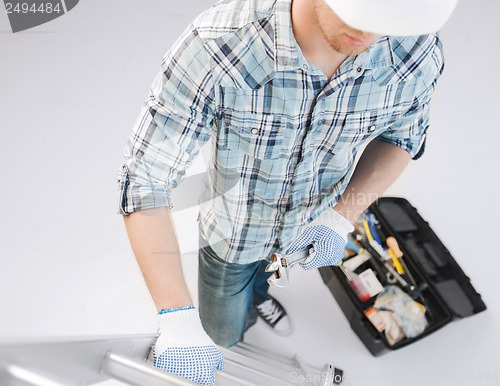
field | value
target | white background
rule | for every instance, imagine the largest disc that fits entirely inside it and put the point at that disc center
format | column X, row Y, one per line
column 70, row 91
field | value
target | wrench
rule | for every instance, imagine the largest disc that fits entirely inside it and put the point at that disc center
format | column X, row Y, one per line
column 280, row 264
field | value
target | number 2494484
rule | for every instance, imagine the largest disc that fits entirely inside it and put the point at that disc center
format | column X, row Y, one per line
column 33, row 8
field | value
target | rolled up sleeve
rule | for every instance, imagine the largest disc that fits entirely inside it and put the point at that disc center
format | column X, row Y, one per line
column 174, row 122
column 410, row 131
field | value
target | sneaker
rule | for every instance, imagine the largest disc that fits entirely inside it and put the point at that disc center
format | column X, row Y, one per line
column 273, row 313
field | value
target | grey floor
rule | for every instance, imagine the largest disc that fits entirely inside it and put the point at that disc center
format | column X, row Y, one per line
column 70, row 91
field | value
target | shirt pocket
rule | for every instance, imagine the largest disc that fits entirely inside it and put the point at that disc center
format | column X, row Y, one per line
column 361, row 127
column 257, row 135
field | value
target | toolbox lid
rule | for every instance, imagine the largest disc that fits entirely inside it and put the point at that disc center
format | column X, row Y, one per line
column 417, row 239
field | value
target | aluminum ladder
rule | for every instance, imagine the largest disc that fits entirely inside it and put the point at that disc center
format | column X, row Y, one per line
column 91, row 360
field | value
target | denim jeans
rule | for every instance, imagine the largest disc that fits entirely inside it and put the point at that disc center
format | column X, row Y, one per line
column 226, row 293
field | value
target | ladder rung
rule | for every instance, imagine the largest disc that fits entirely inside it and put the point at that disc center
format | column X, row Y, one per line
column 136, row 373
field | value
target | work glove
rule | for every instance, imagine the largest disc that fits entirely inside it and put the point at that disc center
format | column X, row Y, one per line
column 327, row 235
column 183, row 348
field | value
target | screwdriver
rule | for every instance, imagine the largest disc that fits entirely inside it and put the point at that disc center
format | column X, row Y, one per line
column 381, row 260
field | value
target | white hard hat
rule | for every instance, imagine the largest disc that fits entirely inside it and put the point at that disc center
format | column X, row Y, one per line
column 394, row 17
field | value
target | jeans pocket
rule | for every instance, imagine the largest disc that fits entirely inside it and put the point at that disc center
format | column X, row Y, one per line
column 223, row 278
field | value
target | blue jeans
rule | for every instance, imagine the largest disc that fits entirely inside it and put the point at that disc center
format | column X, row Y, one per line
column 226, row 293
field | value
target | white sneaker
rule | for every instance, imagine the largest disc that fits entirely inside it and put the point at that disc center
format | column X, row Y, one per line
column 273, row 313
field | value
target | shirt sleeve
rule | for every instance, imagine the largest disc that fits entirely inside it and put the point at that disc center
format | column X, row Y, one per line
column 410, row 131
column 174, row 122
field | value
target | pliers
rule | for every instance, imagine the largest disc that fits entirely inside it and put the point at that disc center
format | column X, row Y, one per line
column 280, row 265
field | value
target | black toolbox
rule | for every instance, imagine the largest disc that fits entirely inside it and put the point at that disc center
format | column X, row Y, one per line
column 445, row 289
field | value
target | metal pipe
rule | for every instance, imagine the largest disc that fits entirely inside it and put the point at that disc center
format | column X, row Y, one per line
column 18, row 375
column 133, row 372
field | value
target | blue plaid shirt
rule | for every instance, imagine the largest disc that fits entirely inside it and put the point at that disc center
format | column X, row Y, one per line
column 284, row 137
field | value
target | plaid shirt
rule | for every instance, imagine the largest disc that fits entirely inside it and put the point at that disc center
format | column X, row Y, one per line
column 284, row 136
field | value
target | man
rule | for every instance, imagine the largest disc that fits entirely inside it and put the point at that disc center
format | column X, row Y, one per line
column 287, row 92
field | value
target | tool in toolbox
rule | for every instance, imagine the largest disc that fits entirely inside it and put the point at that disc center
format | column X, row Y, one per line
column 370, row 225
column 356, row 284
column 392, row 275
column 280, row 266
column 357, row 260
column 396, row 251
column 396, row 255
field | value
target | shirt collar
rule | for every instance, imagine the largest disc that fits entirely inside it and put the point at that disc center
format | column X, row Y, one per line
column 286, row 49
column 380, row 54
column 287, row 53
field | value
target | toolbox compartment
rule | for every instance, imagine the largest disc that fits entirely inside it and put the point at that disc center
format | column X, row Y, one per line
column 448, row 292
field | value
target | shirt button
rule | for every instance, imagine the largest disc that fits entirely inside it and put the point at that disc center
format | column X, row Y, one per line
column 254, row 130
column 359, row 69
column 371, row 129
column 305, row 66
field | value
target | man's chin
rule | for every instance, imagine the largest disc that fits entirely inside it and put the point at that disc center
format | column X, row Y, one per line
column 346, row 42
column 346, row 48
column 351, row 51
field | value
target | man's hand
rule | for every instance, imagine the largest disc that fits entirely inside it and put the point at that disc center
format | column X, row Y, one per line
column 328, row 236
column 184, row 348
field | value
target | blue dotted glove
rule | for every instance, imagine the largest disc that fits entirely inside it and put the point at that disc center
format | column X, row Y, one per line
column 328, row 236
column 184, row 348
